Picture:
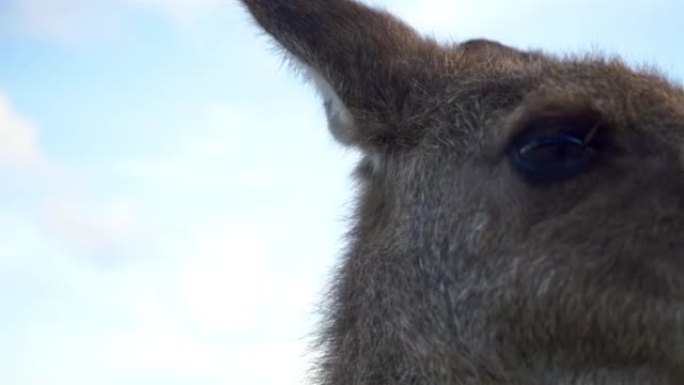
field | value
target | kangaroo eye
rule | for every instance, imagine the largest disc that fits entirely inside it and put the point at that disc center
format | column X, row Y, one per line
column 551, row 158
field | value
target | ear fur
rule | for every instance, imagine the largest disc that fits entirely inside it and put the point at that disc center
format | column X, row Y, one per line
column 364, row 62
column 341, row 122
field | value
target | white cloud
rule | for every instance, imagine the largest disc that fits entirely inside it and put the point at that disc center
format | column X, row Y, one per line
column 158, row 342
column 227, row 284
column 66, row 20
column 287, row 364
column 496, row 19
column 53, row 197
column 183, row 11
column 213, row 314
column 77, row 20
column 106, row 229
column 556, row 26
column 18, row 139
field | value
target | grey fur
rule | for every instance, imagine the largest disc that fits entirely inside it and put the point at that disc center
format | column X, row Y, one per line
column 459, row 269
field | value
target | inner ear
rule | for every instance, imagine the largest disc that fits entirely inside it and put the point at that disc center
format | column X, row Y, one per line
column 340, row 120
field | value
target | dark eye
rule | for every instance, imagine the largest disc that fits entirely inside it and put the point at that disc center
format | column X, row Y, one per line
column 551, row 158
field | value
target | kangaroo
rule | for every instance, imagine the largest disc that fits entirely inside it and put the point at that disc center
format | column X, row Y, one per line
column 520, row 218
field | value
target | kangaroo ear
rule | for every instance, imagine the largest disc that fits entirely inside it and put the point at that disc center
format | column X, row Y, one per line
column 364, row 63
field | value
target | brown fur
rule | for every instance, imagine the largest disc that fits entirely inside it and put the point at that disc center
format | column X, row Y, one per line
column 461, row 270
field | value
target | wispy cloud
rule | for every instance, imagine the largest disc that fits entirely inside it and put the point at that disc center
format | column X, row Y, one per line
column 18, row 139
column 65, row 20
column 57, row 200
column 109, row 230
column 229, row 271
column 77, row 20
column 182, row 11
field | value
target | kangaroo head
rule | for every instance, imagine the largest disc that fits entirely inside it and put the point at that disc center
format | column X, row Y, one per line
column 521, row 216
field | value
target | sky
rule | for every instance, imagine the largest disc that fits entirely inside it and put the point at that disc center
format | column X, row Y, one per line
column 171, row 203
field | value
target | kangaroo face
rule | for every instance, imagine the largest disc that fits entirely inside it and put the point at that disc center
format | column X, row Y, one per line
column 521, row 216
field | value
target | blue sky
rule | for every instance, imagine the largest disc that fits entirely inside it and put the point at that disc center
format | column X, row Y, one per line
column 170, row 200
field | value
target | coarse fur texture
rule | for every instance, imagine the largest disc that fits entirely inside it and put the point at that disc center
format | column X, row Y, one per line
column 472, row 259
